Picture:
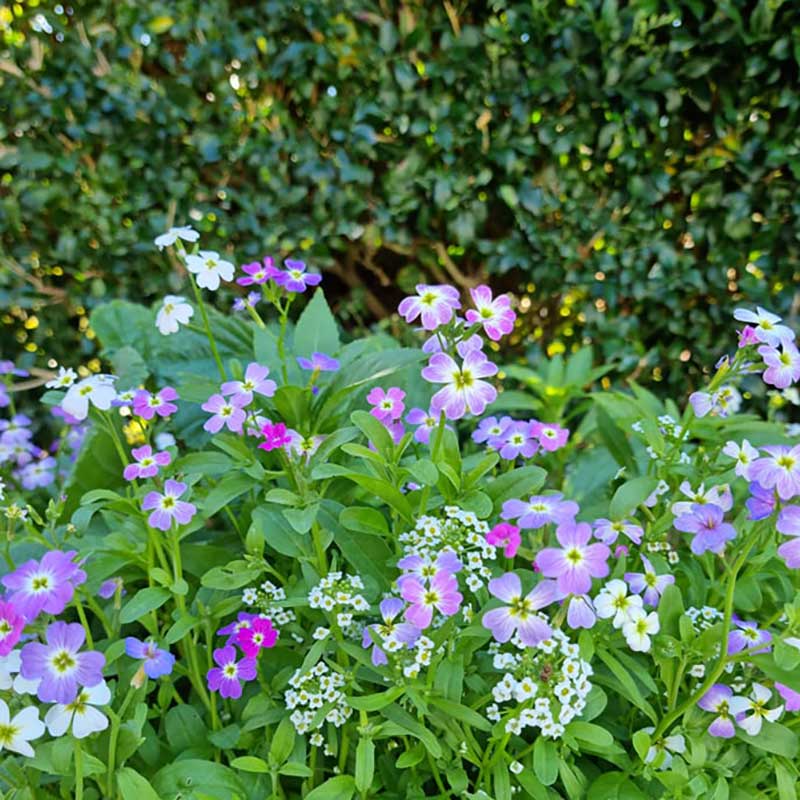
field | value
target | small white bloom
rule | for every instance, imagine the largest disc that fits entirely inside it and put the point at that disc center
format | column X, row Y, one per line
column 16, row 733
column 614, row 601
column 97, row 389
column 85, row 719
column 63, row 380
column 744, row 456
column 209, row 268
column 756, row 704
column 515, row 767
column 174, row 312
column 638, row 629
column 185, row 232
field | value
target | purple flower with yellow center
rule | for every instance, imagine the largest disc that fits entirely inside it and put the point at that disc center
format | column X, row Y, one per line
column 255, row 381
column 258, row 272
column 519, row 614
column 789, row 524
column 747, row 637
column 779, row 470
column 767, row 326
column 147, row 463
column 11, row 625
column 228, row 413
column 648, row 582
column 434, row 304
column 608, row 532
column 464, row 391
column 295, row 278
column 155, row 661
column 516, row 440
column 227, row 677
column 59, row 665
column 540, row 510
column 387, row 405
column 709, row 529
column 242, row 621
column 426, row 568
column 495, row 315
column 551, row 437
column 441, row 594
column 426, row 423
column 47, row 585
column 319, row 362
column 719, row 700
column 167, row 507
column 146, row 405
column 576, row 562
column 389, row 634
column 782, row 365
column 761, row 502
column 491, row 430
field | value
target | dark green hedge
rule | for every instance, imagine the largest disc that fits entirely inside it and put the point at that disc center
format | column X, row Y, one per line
column 638, row 160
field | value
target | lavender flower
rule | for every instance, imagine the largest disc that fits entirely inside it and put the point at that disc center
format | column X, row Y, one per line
column 225, row 413
column 155, row 661
column 782, row 366
column 551, row 437
column 464, row 391
column 707, row 524
column 789, row 524
column 147, row 463
column 576, row 562
column 607, row 531
column 146, row 405
column 11, row 624
column 747, row 636
column 295, row 278
column 319, row 362
column 229, row 674
column 426, row 422
column 519, row 614
column 495, row 315
column 434, row 304
column 648, row 582
column 258, row 273
column 255, row 381
column 761, row 502
column 167, row 507
column 442, row 594
column 779, row 469
column 389, row 635
column 518, row 439
column 540, row 510
column 489, row 429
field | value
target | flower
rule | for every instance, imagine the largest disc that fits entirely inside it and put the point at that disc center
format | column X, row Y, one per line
column 464, row 391
column 551, row 437
column 11, row 625
column 743, row 454
column 761, row 502
column 258, row 273
column 387, row 405
column 779, row 469
column 791, row 697
column 295, row 278
column 756, row 704
column 146, row 405
column 166, row 507
column 517, row 439
column 39, row 473
column 719, row 496
column 302, row 446
column 435, row 304
column 146, row 464
column 425, row 567
column 789, row 524
column 259, row 634
column 519, row 615
column 505, row 533
column 225, row 413
column 442, row 594
column 389, row 635
column 576, row 562
column 667, row 745
column 747, row 336
column 80, row 713
column 495, row 315
column 719, row 700
column 648, row 582
column 227, row 677
column 184, row 232
column 110, row 587
column 209, row 268
column 580, row 612
column 255, row 380
column 540, row 510
column 155, row 661
column 767, row 328
column 59, row 664
column 490, row 430
column 426, row 422
column 63, row 380
column 637, row 629
column 275, row 436
column 16, row 733
column 251, row 300
column 174, row 312
column 782, row 366
column 97, row 389
column 710, row 531
column 607, row 531
column 319, row 362
column 231, row 630
column 614, row 601
column 47, row 585
column 747, row 637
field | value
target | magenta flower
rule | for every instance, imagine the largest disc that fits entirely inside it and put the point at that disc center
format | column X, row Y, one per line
column 648, row 582
column 256, row 636
column 59, row 666
column 507, row 534
column 747, row 637
column 147, row 463
column 167, row 507
column 389, row 634
column 227, row 677
column 146, row 405
column 782, row 366
column 226, row 413
column 295, row 278
column 435, row 304
column 551, row 436
column 275, row 436
column 707, row 524
column 11, row 625
column 387, row 405
column 517, row 440
column 540, row 510
column 255, row 380
column 520, row 612
column 442, row 594
column 719, row 700
column 607, row 531
column 464, row 391
column 425, row 421
column 258, row 273
column 319, row 362
column 747, row 335
column 47, row 585
column 779, row 469
column 495, row 315
column 155, row 661
column 576, row 562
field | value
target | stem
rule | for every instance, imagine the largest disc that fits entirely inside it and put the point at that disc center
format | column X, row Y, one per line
column 255, row 315
column 281, row 351
column 84, row 621
column 112, row 739
column 78, row 768
column 204, row 314
column 437, row 444
column 322, row 560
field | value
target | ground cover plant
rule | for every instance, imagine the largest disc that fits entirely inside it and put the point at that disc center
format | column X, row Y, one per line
column 273, row 563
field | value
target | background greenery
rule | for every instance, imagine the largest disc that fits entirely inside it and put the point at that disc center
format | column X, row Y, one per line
column 629, row 170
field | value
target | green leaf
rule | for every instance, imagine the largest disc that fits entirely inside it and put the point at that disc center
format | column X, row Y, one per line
column 132, row 786
column 362, row 519
column 233, row 575
column 614, row 786
column 374, row 430
column 545, row 760
column 519, row 483
column 316, row 330
column 462, row 713
column 342, row 787
column 250, row 764
column 227, row 490
column 593, row 734
column 630, row 495
column 773, row 738
column 282, row 742
column 365, row 764
column 383, row 489
column 214, row 780
column 627, row 685
column 404, row 720
column 143, row 602
column 375, row 702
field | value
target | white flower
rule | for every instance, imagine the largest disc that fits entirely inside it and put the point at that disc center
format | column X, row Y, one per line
column 209, row 268
column 185, row 232
column 614, row 601
column 16, row 733
column 63, row 380
column 80, row 712
column 164, row 440
column 756, row 703
column 97, row 389
column 638, row 629
column 174, row 312
column 744, row 455
column 767, row 327
column 515, row 767
column 668, row 745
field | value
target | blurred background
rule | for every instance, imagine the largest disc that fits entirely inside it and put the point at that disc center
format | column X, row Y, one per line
column 627, row 170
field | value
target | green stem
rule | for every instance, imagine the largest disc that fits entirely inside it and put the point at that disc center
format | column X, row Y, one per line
column 116, row 721
column 322, row 560
column 204, row 314
column 78, row 768
column 437, row 444
column 84, row 621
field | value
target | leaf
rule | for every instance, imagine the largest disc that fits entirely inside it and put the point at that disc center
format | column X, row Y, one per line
column 519, row 483
column 773, row 738
column 233, row 575
column 364, row 520
column 614, row 786
column 250, row 764
column 383, row 489
column 627, row 685
column 630, row 495
column 615, row 440
column 593, row 734
column 462, row 713
column 282, row 742
column 132, row 786
column 375, row 702
column 228, row 489
column 342, row 787
column 404, row 720
column 545, row 760
column 215, row 780
column 144, row 601
column 365, row 764
column 316, row 330
column 374, row 430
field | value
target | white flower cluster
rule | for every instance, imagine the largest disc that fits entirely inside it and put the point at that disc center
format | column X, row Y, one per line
column 312, row 690
column 548, row 683
column 412, row 659
column 339, row 594
column 627, row 614
column 268, row 597
column 462, row 533
column 664, row 547
column 703, row 618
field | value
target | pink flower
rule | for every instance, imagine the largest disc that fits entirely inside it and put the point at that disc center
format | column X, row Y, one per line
column 576, row 562
column 258, row 635
column 255, row 380
column 464, row 390
column 227, row 413
column 257, row 273
column 495, row 315
column 550, row 436
column 505, row 532
column 147, row 463
column 275, row 436
column 442, row 594
column 435, row 304
column 779, row 470
column 747, row 335
column 520, row 612
column 782, row 366
column 167, row 507
column 387, row 405
column 426, row 422
column 146, row 405
column 11, row 625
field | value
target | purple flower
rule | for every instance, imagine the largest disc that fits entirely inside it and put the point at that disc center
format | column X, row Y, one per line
column 146, row 405
column 227, row 677
column 519, row 613
column 425, row 568
column 791, row 697
column 255, row 637
column 226, row 413
column 710, row 530
column 275, row 436
column 540, row 510
column 296, row 279
column 490, row 430
column 747, row 636
column 442, row 594
column 15, row 430
column 576, row 562
column 719, row 700
column 747, row 335
column 426, row 422
column 551, row 437
column 648, row 582
column 59, row 665
column 258, row 273
column 719, row 496
column 167, row 507
column 389, row 635
column 761, row 502
column 11, row 625
column 505, row 534
column 255, row 380
column 47, row 585
column 319, row 362
column 8, row 368
column 607, row 531
column 517, row 439
column 495, row 314
column 250, row 301
column 435, row 304
column 147, row 463
column 779, row 469
column 789, row 524
column 231, row 630
column 580, row 612
column 463, row 391
column 782, row 366
column 156, row 662
column 38, row 474
column 110, row 587
column 387, row 405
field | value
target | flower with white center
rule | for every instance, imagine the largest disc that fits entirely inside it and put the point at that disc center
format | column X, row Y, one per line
column 16, row 733
column 184, row 232
column 638, row 628
column 63, row 380
column 80, row 713
column 743, row 454
column 96, row 389
column 758, row 712
column 614, row 601
column 174, row 312
column 209, row 268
